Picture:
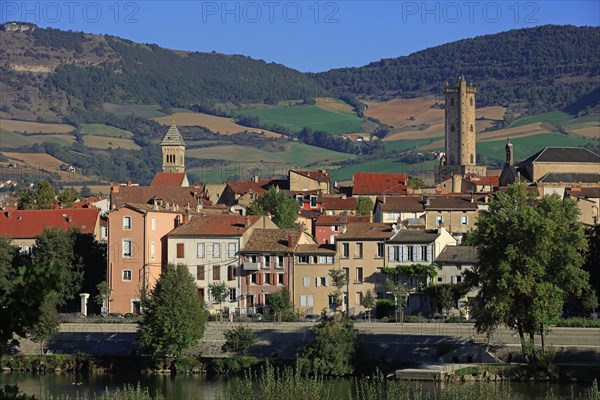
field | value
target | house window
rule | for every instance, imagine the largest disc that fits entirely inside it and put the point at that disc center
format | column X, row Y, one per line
column 345, row 250
column 231, row 250
column 359, row 250
column 216, row 250
column 325, row 259
column 440, row 279
column 396, row 253
column 322, row 281
column 127, row 223
column 394, row 216
column 380, row 295
column 231, row 273
column 306, row 281
column 300, row 199
column 303, row 259
column 127, row 248
column 267, row 278
column 359, row 298
column 253, row 278
column 216, row 272
column 379, row 250
column 253, row 259
column 439, row 220
column 306, row 301
column 152, row 251
column 464, row 220
column 411, row 253
column 424, row 253
column 199, row 272
column 359, row 274
column 452, row 128
column 127, row 275
column 200, row 250
column 313, row 201
column 280, row 280
column 180, row 250
column 267, row 262
column 335, row 228
column 200, row 293
column 232, row 295
column 451, row 102
column 279, row 261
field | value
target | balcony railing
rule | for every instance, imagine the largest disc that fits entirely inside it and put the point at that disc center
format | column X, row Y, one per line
column 250, row 266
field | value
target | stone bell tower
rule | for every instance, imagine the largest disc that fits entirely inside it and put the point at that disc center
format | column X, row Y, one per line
column 173, row 151
column 460, row 124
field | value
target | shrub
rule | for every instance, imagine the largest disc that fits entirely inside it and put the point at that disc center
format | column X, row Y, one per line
column 384, row 308
column 239, row 339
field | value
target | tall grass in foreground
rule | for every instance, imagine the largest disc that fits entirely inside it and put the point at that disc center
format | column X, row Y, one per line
column 128, row 392
column 287, row 384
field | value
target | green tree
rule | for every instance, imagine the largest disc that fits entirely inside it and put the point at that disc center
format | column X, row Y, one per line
column 446, row 299
column 68, row 197
column 47, row 323
column 86, row 191
column 400, row 293
column 369, row 302
column 284, row 209
column 58, row 246
column 175, row 318
column 44, row 198
column 219, row 292
column 239, row 339
column 23, row 288
column 530, row 258
column 279, row 302
column 415, row 181
column 333, row 350
column 364, row 205
column 339, row 279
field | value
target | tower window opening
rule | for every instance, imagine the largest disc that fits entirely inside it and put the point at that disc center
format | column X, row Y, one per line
column 452, row 128
column 471, row 127
column 452, row 102
column 471, row 158
column 471, row 100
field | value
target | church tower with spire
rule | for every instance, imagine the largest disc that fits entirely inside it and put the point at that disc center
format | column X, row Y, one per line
column 173, row 151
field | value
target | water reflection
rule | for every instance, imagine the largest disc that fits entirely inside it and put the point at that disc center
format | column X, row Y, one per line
column 192, row 387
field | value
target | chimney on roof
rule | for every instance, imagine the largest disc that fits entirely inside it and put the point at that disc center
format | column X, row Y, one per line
column 427, row 201
column 129, row 183
column 255, row 178
column 472, row 198
column 246, row 222
column 441, row 228
column 8, row 214
column 344, row 228
column 335, row 184
column 115, row 187
column 188, row 214
column 383, row 201
column 290, row 240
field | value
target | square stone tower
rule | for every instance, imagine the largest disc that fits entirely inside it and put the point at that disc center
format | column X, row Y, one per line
column 460, row 124
column 173, row 151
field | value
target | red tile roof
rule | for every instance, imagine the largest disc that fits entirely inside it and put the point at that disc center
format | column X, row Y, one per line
column 339, row 203
column 272, row 241
column 494, row 181
column 373, row 231
column 215, row 225
column 342, row 219
column 146, row 194
column 244, row 187
column 168, row 179
column 31, row 223
column 368, row 183
column 318, row 176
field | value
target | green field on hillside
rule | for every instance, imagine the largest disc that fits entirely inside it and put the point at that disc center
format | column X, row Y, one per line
column 386, row 165
column 529, row 145
column 408, row 144
column 316, row 118
column 559, row 118
column 13, row 140
column 139, row 110
column 104, row 130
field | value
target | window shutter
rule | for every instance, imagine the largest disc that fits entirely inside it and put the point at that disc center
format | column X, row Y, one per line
column 273, row 279
column 390, row 253
column 326, row 281
column 247, row 279
column 404, row 250
column 260, row 278
column 180, row 251
column 429, row 258
column 285, row 279
column 302, row 301
column 318, row 281
column 417, row 253
column 216, row 272
column 453, row 279
column 309, row 301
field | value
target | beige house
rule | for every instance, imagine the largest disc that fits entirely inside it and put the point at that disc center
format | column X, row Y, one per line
column 409, row 246
column 588, row 201
column 360, row 252
column 306, row 180
column 458, row 214
column 210, row 246
column 310, row 276
column 451, row 264
column 400, row 209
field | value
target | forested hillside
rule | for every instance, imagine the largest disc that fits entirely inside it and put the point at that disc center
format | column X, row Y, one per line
column 547, row 67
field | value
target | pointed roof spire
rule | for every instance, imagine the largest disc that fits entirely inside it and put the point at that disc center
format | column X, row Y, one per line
column 173, row 136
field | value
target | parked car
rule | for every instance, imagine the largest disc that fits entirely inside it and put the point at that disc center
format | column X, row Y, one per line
column 311, row 318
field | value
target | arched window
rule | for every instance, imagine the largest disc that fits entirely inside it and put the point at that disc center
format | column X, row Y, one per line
column 452, row 128
column 471, row 127
column 471, row 101
column 471, row 158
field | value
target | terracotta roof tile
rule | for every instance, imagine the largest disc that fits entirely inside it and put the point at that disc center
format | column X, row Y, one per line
column 339, row 203
column 272, row 241
column 368, row 183
column 215, row 225
column 494, row 181
column 31, row 223
column 326, row 250
column 146, row 194
column 168, row 179
column 401, row 203
column 372, row 231
column 244, row 187
column 342, row 219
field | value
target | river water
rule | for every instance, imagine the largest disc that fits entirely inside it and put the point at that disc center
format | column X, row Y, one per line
column 193, row 387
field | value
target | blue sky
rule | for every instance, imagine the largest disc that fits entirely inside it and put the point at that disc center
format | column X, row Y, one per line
column 306, row 35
